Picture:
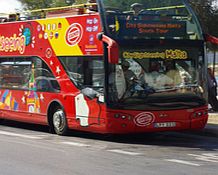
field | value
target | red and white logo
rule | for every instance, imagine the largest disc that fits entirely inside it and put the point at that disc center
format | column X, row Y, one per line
column 74, row 34
column 144, row 119
column 48, row 53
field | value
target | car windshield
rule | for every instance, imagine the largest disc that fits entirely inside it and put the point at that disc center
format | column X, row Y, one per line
column 133, row 19
column 148, row 80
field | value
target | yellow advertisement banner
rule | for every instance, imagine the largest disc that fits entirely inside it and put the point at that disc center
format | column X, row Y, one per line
column 60, row 46
column 167, row 54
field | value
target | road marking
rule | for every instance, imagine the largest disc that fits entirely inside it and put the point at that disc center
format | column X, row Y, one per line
column 182, row 162
column 19, row 135
column 124, row 152
column 76, row 144
column 208, row 157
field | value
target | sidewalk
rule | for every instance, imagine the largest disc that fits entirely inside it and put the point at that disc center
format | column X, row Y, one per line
column 213, row 118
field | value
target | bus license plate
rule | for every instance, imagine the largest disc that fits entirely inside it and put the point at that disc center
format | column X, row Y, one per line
column 165, row 125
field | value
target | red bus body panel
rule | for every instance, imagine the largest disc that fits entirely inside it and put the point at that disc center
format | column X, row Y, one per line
column 75, row 36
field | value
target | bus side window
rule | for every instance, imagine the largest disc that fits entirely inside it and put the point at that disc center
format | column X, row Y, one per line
column 46, row 84
column 42, row 85
column 27, row 73
column 45, row 81
column 85, row 71
column 98, row 73
column 13, row 73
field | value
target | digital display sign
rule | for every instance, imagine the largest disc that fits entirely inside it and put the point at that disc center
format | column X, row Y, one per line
column 146, row 28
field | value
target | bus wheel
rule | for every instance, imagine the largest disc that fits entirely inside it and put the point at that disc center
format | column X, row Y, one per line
column 2, row 120
column 59, row 122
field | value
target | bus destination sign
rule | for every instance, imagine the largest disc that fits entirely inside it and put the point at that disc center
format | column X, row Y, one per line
column 143, row 28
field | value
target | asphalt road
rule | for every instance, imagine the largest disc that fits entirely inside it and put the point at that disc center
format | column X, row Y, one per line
column 31, row 150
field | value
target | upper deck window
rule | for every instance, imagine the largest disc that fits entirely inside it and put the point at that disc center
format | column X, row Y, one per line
column 151, row 19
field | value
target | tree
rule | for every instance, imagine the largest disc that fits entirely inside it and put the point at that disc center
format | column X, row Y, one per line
column 80, row 1
column 32, row 4
column 207, row 14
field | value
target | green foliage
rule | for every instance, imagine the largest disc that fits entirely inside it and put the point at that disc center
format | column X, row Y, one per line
column 148, row 3
column 80, row 1
column 32, row 4
column 207, row 14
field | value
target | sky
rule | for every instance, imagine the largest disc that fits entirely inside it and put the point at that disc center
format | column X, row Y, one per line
column 215, row 4
column 7, row 6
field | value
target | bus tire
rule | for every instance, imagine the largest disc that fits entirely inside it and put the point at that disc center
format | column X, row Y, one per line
column 59, row 121
column 2, row 120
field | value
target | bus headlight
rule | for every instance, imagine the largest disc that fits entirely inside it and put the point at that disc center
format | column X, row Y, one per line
column 123, row 116
column 200, row 113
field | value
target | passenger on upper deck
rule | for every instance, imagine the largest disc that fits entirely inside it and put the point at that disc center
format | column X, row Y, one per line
column 137, row 8
column 3, row 19
column 14, row 17
column 91, row 8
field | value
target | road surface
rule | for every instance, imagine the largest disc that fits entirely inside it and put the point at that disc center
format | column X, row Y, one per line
column 31, row 150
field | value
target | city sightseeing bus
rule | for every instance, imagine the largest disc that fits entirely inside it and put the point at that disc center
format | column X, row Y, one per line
column 107, row 67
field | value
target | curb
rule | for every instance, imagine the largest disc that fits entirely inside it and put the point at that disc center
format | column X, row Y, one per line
column 211, row 129
column 213, row 118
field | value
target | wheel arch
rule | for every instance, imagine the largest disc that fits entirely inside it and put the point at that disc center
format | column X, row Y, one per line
column 51, row 108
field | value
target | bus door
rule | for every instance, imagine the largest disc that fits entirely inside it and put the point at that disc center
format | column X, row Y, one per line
column 87, row 74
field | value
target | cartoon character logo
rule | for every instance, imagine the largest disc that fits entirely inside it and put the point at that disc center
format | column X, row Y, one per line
column 82, row 110
column 74, row 34
column 32, row 99
column 87, row 111
column 33, row 103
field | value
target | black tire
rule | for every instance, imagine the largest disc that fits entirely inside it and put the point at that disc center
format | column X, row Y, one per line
column 59, row 122
column 2, row 120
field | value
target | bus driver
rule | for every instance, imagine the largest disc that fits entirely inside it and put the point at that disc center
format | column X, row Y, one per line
column 128, row 74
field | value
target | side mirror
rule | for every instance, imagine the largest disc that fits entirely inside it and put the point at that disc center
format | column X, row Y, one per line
column 211, row 39
column 113, row 49
column 89, row 92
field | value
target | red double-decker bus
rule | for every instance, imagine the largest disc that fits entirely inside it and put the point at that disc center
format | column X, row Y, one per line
column 106, row 67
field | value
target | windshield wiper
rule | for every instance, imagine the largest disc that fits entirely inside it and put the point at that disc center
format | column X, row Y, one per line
column 156, row 105
column 170, row 101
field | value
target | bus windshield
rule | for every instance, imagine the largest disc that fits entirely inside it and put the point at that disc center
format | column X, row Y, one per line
column 150, row 19
column 159, row 78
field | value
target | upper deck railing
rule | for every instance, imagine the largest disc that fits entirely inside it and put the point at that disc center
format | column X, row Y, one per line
column 78, row 9
column 154, row 19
